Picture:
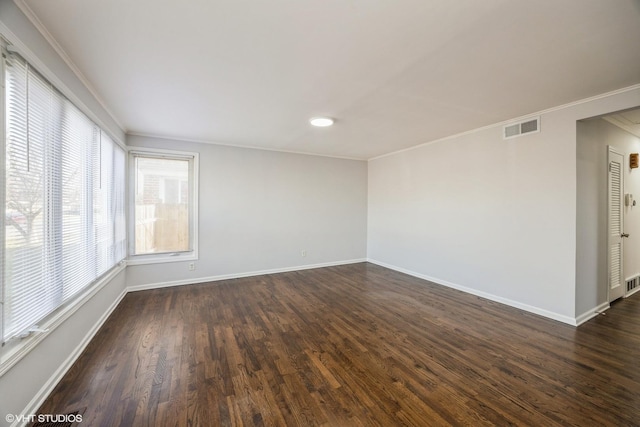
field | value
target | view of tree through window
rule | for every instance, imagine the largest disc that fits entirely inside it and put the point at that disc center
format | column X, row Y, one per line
column 64, row 199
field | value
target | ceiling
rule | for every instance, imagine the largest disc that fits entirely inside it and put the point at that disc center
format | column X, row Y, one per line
column 628, row 120
column 393, row 73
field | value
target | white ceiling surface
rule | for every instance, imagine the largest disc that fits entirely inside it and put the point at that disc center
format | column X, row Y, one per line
column 393, row 73
column 627, row 120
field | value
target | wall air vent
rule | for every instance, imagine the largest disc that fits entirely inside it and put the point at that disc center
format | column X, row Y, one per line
column 521, row 128
column 633, row 283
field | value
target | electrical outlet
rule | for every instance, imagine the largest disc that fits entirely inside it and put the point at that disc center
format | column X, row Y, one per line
column 192, row 266
column 303, row 253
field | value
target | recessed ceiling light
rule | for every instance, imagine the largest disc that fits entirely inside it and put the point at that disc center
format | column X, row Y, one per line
column 321, row 121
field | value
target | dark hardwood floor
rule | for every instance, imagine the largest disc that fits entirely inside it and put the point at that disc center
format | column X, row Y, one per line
column 354, row 345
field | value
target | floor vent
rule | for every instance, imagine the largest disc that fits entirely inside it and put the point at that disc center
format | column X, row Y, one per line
column 521, row 128
column 633, row 283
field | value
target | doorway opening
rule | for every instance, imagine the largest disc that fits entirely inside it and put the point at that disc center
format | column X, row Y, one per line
column 607, row 261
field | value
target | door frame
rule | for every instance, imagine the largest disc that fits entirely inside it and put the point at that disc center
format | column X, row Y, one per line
column 615, row 151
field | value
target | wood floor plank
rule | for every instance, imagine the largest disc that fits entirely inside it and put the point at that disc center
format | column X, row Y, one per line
column 355, row 345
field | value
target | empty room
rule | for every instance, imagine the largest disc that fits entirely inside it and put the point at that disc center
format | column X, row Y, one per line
column 336, row 213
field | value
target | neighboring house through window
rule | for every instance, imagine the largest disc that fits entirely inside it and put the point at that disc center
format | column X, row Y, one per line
column 164, row 204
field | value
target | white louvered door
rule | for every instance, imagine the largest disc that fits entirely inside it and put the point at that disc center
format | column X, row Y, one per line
column 616, row 230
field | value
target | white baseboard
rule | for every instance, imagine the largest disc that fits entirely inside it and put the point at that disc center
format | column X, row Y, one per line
column 194, row 281
column 588, row 315
column 532, row 309
column 632, row 292
column 55, row 378
column 47, row 388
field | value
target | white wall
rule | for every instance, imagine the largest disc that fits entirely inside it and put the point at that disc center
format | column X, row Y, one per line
column 496, row 217
column 18, row 26
column 24, row 387
column 591, row 258
column 259, row 209
column 35, row 372
column 493, row 217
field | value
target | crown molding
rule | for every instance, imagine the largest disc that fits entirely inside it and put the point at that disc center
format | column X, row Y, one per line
column 614, row 121
column 7, row 36
column 248, row 147
column 517, row 119
column 33, row 18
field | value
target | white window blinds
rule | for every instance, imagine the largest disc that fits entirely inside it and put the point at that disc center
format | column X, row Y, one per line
column 64, row 200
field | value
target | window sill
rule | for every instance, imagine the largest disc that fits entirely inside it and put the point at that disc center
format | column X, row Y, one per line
column 161, row 258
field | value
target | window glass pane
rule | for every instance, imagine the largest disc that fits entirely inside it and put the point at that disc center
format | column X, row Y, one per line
column 103, row 215
column 28, row 147
column 118, row 204
column 109, row 229
column 161, row 205
column 64, row 199
column 77, row 165
column 23, row 194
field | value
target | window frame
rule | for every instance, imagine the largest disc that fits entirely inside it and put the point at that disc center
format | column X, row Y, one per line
column 192, row 253
column 15, row 349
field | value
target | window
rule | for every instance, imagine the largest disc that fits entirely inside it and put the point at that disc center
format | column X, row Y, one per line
column 164, row 206
column 64, row 197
